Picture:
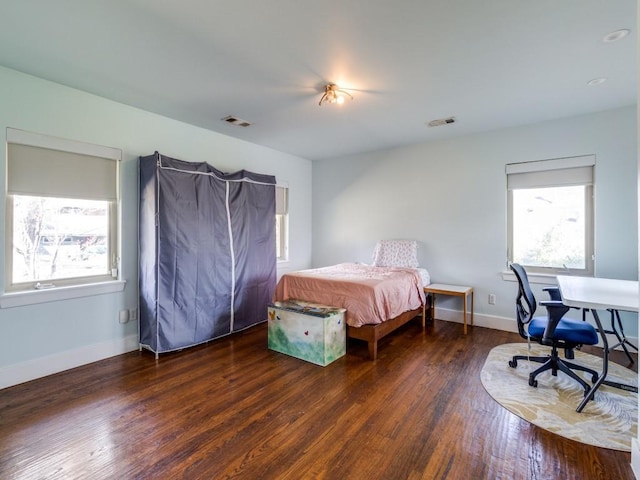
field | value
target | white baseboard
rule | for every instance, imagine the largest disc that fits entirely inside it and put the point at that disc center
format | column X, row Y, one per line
column 503, row 323
column 479, row 319
column 40, row 367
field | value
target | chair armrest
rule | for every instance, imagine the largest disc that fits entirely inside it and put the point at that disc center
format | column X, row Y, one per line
column 555, row 311
column 554, row 294
column 552, row 304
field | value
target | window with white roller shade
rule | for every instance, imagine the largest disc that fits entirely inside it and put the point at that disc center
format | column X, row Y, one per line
column 550, row 215
column 62, row 212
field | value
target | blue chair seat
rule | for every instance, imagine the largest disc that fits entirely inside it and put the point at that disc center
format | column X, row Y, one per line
column 574, row 331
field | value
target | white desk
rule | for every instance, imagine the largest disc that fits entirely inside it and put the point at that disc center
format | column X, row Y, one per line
column 600, row 294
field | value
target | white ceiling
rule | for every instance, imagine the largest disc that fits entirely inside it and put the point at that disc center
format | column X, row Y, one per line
column 490, row 63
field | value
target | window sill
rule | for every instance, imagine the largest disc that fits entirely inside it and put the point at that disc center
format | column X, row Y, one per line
column 537, row 278
column 31, row 297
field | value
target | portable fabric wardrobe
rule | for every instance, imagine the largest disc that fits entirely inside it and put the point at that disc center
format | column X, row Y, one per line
column 207, row 253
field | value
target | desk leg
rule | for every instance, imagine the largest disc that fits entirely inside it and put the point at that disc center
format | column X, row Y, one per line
column 605, row 364
column 622, row 338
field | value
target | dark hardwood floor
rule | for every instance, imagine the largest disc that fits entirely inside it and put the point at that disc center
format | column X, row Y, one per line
column 234, row 409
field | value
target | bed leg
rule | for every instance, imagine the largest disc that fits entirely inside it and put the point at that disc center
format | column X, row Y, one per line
column 373, row 349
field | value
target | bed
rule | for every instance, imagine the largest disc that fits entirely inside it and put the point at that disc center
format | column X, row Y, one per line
column 378, row 298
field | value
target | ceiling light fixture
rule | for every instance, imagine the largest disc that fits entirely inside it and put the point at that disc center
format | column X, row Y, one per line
column 441, row 121
column 233, row 120
column 596, row 81
column 615, row 36
column 333, row 94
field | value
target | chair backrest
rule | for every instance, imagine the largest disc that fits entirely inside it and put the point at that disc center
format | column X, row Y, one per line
column 525, row 301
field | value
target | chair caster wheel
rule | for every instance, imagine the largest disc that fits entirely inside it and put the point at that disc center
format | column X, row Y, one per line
column 513, row 363
column 533, row 382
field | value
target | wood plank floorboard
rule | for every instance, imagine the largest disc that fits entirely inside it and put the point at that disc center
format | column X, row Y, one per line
column 232, row 409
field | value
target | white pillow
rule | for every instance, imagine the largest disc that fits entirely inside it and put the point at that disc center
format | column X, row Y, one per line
column 396, row 253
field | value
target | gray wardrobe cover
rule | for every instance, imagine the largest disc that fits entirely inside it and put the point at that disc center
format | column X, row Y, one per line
column 207, row 251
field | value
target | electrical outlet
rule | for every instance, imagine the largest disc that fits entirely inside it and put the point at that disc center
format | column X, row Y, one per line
column 133, row 314
column 123, row 317
column 492, row 299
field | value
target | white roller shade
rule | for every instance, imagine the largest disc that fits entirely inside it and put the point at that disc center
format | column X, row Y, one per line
column 551, row 173
column 282, row 206
column 40, row 165
column 52, row 173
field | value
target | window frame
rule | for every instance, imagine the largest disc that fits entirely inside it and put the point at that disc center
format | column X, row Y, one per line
column 563, row 167
column 14, row 292
column 10, row 286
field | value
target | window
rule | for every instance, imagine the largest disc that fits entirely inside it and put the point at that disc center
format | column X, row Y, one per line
column 62, row 212
column 550, row 215
column 282, row 223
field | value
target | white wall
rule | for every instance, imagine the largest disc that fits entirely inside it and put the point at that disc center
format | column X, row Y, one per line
column 40, row 339
column 451, row 196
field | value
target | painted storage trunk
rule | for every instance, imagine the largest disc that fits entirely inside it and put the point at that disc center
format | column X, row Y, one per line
column 311, row 332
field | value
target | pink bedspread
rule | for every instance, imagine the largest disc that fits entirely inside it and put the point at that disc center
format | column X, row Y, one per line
column 371, row 295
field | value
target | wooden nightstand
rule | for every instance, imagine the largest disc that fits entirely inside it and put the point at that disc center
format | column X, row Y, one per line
column 453, row 290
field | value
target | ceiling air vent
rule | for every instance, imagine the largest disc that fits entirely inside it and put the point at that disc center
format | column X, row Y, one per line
column 441, row 121
column 236, row 121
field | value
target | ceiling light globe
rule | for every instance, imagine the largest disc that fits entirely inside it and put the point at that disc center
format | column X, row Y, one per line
column 615, row 36
column 596, row 81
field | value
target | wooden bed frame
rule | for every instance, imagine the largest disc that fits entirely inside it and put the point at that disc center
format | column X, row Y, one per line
column 368, row 332
column 372, row 333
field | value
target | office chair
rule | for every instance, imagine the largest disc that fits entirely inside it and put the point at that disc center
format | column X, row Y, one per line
column 551, row 330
